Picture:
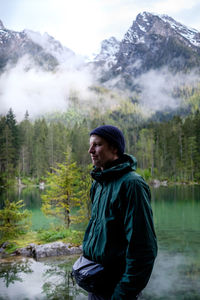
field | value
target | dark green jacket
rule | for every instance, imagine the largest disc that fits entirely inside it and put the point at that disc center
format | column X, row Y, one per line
column 120, row 234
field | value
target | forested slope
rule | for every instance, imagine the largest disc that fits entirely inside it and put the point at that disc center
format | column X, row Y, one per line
column 166, row 144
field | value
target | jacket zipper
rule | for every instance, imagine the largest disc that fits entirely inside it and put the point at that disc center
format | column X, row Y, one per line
column 98, row 203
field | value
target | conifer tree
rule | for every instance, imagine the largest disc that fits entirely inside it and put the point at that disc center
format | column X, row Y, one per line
column 13, row 220
column 57, row 143
column 61, row 192
column 26, row 150
column 7, row 154
column 14, row 130
column 84, row 201
column 79, row 139
column 40, row 153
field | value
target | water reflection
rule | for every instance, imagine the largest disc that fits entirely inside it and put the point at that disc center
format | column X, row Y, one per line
column 11, row 272
column 171, row 278
column 175, row 277
column 31, row 196
column 48, row 279
column 59, row 283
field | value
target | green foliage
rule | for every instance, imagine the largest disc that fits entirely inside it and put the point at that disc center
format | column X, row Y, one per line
column 11, row 247
column 61, row 193
column 28, row 181
column 168, row 145
column 79, row 144
column 9, row 149
column 145, row 173
column 67, row 235
column 145, row 150
column 26, row 130
column 40, row 157
column 84, row 203
column 13, row 220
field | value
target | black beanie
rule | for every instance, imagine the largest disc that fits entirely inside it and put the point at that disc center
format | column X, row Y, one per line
column 112, row 135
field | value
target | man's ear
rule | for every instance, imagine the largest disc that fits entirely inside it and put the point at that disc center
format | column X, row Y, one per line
column 114, row 150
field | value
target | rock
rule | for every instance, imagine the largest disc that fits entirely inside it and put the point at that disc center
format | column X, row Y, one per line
column 164, row 183
column 27, row 251
column 48, row 250
column 3, row 248
column 156, row 183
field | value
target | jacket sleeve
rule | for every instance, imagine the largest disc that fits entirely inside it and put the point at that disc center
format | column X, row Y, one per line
column 141, row 241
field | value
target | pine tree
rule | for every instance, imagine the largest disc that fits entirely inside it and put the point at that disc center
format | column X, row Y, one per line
column 79, row 139
column 12, row 125
column 61, row 193
column 7, row 154
column 13, row 220
column 57, row 143
column 84, row 202
column 145, row 146
column 40, row 149
column 26, row 150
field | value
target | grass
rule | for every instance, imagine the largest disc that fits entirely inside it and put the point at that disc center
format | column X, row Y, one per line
column 21, row 241
column 62, row 234
column 74, row 237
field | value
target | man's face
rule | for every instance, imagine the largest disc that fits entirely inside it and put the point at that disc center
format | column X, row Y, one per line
column 101, row 152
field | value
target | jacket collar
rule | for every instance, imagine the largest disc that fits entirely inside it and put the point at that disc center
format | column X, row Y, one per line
column 116, row 169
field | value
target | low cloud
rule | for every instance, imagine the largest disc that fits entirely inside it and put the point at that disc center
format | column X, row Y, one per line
column 158, row 87
column 27, row 87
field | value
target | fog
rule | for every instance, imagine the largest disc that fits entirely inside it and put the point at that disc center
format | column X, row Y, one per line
column 158, row 87
column 165, row 279
column 27, row 87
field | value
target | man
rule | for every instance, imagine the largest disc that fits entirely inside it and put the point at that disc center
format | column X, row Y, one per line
column 120, row 234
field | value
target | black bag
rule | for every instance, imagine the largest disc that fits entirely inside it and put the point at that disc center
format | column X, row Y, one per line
column 88, row 274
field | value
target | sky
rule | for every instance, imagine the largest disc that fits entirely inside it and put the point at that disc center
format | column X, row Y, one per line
column 82, row 25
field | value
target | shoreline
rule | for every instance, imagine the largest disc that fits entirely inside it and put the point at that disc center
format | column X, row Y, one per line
column 37, row 252
column 154, row 182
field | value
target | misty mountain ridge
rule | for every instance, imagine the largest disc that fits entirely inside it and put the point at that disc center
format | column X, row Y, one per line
column 44, row 50
column 155, row 58
column 151, row 43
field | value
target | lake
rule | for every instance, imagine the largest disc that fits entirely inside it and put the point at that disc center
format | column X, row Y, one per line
column 176, row 274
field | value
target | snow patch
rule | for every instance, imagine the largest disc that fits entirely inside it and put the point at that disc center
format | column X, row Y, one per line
column 186, row 32
column 142, row 28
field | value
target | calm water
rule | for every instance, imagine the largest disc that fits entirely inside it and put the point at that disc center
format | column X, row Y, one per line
column 32, row 201
column 176, row 274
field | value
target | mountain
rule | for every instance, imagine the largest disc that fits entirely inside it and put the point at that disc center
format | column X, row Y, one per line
column 152, row 42
column 44, row 50
column 107, row 56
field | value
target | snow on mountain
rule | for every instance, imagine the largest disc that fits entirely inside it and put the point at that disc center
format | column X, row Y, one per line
column 159, row 24
column 43, row 50
column 192, row 35
column 151, row 43
column 109, row 48
column 52, row 46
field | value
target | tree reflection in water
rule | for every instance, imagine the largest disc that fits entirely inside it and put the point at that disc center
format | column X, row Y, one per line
column 48, row 278
column 59, row 283
column 11, row 272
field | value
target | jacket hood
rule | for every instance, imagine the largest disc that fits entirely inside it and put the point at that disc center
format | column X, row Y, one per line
column 126, row 163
